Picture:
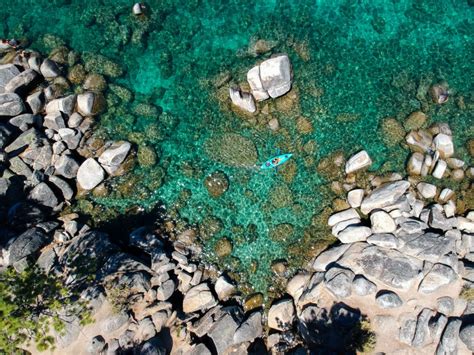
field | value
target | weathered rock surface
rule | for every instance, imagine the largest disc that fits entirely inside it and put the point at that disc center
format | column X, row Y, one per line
column 281, row 315
column 272, row 78
column 358, row 161
column 198, row 298
column 242, row 100
column 11, row 105
column 113, row 156
column 388, row 299
column 384, row 196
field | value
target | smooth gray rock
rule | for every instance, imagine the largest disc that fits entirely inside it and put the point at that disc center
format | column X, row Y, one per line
column 89, row 103
column 445, row 305
column 382, row 222
column 407, row 331
column 250, row 329
column 363, row 287
column 66, row 166
column 388, row 299
column 439, row 276
column 43, row 195
column 23, row 120
column 96, row 345
column 7, row 72
column 467, row 335
column 436, row 325
column 222, row 333
column 329, row 256
column 384, row 195
column 113, row 322
column 23, row 82
column 49, row 69
column 114, row 155
column 449, row 341
column 198, row 298
column 385, row 240
column 11, row 105
column 354, row 233
column 75, row 120
column 339, row 281
column 145, row 331
column 390, row 266
column 428, row 246
column 27, row 244
column 422, row 331
column 90, row 174
column 36, row 102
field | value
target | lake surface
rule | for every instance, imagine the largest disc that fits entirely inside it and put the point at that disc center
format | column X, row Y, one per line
column 355, row 64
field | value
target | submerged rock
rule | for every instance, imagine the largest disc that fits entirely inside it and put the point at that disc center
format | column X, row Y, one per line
column 232, row 149
column 216, row 183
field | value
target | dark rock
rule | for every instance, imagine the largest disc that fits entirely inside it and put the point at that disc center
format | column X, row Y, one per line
column 11, row 105
column 6, row 134
column 388, row 299
column 87, row 253
column 19, row 167
column 47, row 260
column 43, row 194
column 23, row 82
column 27, row 244
column 23, row 121
column 25, row 214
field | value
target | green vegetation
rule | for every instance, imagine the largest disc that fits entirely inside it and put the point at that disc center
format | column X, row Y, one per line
column 31, row 304
column 364, row 338
column 467, row 293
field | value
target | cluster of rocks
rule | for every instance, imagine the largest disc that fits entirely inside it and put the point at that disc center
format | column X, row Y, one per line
column 270, row 79
column 403, row 259
column 45, row 131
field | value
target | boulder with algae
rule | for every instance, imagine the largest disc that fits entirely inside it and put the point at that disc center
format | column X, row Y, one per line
column 232, row 149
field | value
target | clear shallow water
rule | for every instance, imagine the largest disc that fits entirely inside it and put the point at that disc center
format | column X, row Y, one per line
column 354, row 63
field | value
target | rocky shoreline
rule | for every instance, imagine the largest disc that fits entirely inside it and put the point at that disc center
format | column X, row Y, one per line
column 392, row 284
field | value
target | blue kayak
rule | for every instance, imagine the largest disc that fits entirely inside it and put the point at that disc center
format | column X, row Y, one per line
column 276, row 161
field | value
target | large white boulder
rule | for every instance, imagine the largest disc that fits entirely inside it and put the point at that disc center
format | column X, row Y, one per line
column 382, row 222
column 444, row 145
column 90, row 174
column 358, row 161
column 272, row 78
column 384, row 196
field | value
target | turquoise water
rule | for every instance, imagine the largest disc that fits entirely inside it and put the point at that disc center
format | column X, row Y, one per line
column 355, row 63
